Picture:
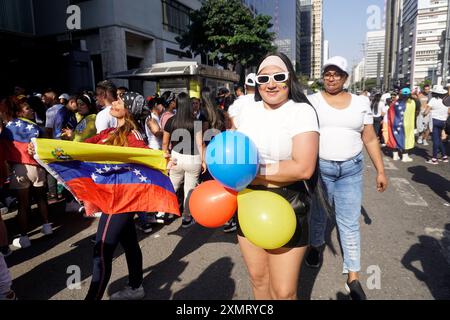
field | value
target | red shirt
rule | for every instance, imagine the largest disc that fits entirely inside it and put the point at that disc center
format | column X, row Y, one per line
column 135, row 139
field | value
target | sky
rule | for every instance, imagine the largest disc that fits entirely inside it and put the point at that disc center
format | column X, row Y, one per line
column 346, row 23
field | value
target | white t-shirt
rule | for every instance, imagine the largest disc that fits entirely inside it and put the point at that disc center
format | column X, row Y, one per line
column 105, row 120
column 340, row 130
column 438, row 110
column 239, row 104
column 153, row 142
column 272, row 130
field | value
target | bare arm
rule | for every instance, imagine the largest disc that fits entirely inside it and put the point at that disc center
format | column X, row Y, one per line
column 305, row 150
column 372, row 145
column 154, row 128
column 166, row 142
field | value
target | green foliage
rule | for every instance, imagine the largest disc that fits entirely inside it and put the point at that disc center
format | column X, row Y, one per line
column 228, row 32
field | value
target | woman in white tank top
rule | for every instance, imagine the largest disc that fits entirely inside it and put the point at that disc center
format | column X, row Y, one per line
column 153, row 128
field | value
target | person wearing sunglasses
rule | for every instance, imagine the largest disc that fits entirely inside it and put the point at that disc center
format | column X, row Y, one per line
column 285, row 129
column 346, row 125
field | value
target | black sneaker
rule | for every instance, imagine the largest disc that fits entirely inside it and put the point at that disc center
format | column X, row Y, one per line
column 313, row 258
column 187, row 223
column 146, row 228
column 355, row 290
column 231, row 227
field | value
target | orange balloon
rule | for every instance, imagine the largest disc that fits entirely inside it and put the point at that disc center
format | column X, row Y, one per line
column 212, row 205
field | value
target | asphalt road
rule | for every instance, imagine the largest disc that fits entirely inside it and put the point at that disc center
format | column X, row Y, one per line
column 405, row 249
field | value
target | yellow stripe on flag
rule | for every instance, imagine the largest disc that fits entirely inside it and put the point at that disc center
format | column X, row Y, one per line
column 48, row 151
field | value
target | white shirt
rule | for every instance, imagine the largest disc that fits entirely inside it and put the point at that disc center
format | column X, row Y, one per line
column 153, row 142
column 340, row 130
column 273, row 130
column 438, row 110
column 105, row 120
column 239, row 104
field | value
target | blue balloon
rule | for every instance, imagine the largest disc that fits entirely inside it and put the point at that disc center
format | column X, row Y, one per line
column 232, row 159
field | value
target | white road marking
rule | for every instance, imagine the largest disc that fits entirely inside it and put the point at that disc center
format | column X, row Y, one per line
column 388, row 164
column 408, row 194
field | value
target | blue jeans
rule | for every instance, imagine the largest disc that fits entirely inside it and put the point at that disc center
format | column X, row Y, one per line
column 344, row 184
column 438, row 145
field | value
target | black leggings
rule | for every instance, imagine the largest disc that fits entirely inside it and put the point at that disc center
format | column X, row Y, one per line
column 113, row 229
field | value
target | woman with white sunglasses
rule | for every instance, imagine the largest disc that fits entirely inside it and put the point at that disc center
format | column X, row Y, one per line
column 284, row 127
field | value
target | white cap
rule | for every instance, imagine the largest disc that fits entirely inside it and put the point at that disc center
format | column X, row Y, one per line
column 438, row 89
column 337, row 61
column 64, row 96
column 250, row 80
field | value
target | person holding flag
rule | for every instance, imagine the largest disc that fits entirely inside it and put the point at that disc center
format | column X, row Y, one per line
column 26, row 172
column 121, row 176
column 401, row 120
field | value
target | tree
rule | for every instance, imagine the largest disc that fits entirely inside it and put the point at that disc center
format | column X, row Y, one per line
column 228, row 33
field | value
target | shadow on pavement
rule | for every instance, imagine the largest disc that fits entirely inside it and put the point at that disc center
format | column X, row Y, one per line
column 435, row 271
column 437, row 183
column 158, row 283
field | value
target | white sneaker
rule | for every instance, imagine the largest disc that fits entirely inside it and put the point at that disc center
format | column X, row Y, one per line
column 425, row 143
column 21, row 242
column 420, row 141
column 395, row 156
column 4, row 210
column 128, row 293
column 47, row 229
column 406, row 158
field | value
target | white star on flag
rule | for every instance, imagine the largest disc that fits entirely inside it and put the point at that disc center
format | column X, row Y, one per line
column 116, row 168
column 137, row 172
column 99, row 171
column 18, row 124
column 9, row 124
column 94, row 177
column 29, row 127
column 106, row 168
column 143, row 179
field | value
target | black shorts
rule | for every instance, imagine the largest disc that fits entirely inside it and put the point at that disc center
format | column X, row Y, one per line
column 297, row 196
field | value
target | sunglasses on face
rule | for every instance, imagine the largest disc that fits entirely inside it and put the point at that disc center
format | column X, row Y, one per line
column 330, row 75
column 277, row 77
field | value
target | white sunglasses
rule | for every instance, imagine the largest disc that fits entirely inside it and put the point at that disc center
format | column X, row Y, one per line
column 277, row 77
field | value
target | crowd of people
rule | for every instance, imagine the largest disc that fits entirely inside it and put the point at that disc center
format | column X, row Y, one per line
column 310, row 148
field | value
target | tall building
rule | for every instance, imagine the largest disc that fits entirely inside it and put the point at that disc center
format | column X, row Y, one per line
column 374, row 54
column 114, row 35
column 284, row 17
column 358, row 72
column 326, row 50
column 430, row 25
column 393, row 15
column 311, row 35
column 423, row 23
column 317, row 58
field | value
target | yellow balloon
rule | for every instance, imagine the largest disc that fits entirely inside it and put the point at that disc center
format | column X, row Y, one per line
column 266, row 218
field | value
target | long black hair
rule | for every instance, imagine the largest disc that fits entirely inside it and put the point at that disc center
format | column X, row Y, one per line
column 184, row 118
column 375, row 103
column 216, row 119
column 295, row 89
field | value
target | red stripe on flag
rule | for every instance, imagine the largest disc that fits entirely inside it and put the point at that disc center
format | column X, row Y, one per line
column 17, row 152
column 391, row 143
column 122, row 198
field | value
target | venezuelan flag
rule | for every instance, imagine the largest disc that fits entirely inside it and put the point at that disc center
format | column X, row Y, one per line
column 115, row 179
column 401, row 119
column 15, row 138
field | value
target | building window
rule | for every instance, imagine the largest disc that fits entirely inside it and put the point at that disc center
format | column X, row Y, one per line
column 175, row 16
